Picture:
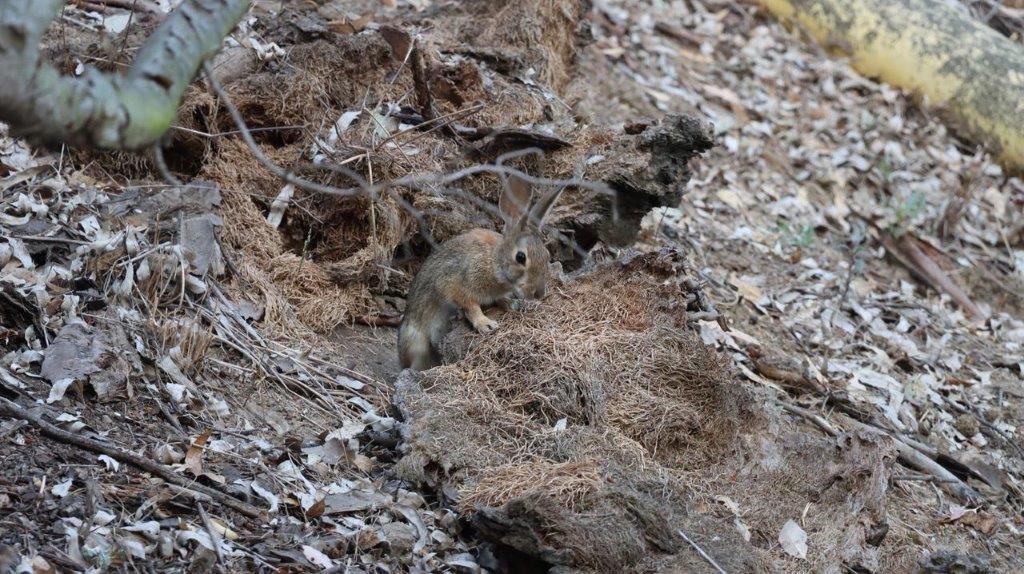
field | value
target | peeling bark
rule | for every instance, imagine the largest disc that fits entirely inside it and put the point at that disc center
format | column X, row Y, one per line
column 968, row 71
column 111, row 111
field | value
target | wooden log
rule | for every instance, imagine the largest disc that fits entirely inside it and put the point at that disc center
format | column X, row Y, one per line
column 969, row 73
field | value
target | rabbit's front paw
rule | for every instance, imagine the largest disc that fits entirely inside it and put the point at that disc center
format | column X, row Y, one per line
column 485, row 325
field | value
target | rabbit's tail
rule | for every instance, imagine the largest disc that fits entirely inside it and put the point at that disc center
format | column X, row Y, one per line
column 416, row 351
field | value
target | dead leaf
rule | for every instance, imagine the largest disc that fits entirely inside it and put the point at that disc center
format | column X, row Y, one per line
column 980, row 521
column 101, row 355
column 316, row 557
column 41, row 566
column 266, row 495
column 194, row 455
column 198, row 238
column 111, row 464
column 355, row 501
column 362, row 462
column 746, row 289
column 317, row 510
column 58, row 390
column 284, row 197
column 61, row 490
column 793, row 540
column 731, row 198
column 350, row 25
column 223, row 529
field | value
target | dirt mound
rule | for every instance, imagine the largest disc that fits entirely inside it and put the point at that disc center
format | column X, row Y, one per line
column 590, row 430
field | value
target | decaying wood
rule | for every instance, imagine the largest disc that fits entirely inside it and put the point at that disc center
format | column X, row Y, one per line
column 968, row 70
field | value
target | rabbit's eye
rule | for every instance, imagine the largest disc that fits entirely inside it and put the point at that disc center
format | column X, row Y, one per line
column 521, row 258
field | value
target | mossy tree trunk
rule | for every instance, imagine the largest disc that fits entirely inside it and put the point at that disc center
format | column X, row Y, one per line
column 969, row 72
column 112, row 111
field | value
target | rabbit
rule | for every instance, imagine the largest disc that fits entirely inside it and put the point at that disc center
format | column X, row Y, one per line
column 479, row 267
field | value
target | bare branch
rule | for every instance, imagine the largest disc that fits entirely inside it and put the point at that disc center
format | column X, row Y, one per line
column 112, row 111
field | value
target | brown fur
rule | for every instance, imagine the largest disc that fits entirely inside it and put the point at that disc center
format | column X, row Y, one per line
column 472, row 270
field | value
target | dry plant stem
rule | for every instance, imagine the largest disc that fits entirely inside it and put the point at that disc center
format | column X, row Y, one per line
column 823, row 424
column 989, row 427
column 268, row 345
column 415, row 182
column 214, row 536
column 277, row 170
column 906, row 250
column 916, row 459
column 297, row 388
column 161, row 165
column 61, row 559
column 702, row 553
column 12, row 410
column 938, row 277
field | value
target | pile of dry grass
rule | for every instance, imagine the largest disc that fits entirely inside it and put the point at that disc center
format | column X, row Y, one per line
column 569, row 483
column 608, row 351
column 587, row 428
column 599, row 353
column 297, row 293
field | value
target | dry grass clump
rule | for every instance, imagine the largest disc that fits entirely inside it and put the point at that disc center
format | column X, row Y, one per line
column 298, row 293
column 603, row 351
column 569, row 483
column 643, row 402
column 185, row 340
column 319, row 302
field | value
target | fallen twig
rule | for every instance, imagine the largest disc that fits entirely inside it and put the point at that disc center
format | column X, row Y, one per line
column 814, row 418
column 374, row 190
column 914, row 458
column 909, row 455
column 214, row 535
column 993, row 430
column 14, row 411
column 379, row 320
column 700, row 551
column 141, row 5
column 908, row 250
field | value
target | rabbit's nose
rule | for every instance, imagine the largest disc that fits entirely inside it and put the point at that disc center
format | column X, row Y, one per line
column 539, row 293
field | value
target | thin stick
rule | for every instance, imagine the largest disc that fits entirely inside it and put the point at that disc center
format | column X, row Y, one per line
column 277, row 170
column 14, row 411
column 700, row 551
column 814, row 418
column 161, row 166
column 49, row 239
column 130, row 5
column 912, row 454
column 214, row 535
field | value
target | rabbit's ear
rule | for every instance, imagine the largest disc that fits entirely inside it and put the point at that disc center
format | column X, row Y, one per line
column 543, row 207
column 515, row 202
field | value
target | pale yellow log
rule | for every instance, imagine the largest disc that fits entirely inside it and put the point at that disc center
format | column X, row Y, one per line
column 969, row 72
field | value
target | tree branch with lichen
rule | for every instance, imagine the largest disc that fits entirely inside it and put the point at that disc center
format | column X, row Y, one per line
column 111, row 111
